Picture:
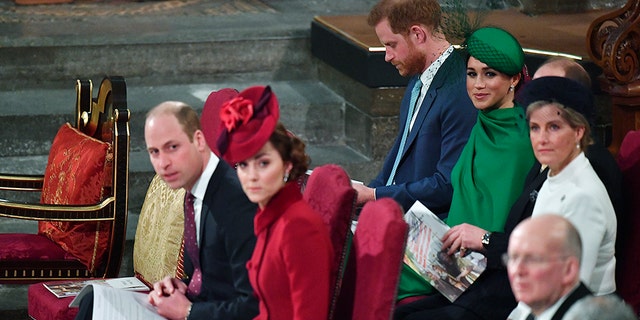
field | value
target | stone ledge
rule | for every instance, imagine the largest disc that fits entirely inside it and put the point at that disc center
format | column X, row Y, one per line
column 347, row 44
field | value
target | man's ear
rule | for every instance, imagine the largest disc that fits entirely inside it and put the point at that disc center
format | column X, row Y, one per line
column 417, row 33
column 571, row 270
column 199, row 140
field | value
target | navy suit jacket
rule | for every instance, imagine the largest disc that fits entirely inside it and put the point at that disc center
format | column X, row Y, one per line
column 226, row 243
column 440, row 131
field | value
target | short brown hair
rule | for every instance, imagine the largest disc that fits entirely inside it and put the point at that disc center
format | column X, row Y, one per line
column 402, row 14
column 185, row 114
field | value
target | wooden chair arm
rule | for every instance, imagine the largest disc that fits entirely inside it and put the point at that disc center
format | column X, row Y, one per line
column 73, row 213
column 15, row 182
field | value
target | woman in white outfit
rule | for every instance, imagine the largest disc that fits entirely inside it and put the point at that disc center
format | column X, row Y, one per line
column 559, row 136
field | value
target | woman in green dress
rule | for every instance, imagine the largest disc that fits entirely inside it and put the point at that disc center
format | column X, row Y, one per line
column 487, row 179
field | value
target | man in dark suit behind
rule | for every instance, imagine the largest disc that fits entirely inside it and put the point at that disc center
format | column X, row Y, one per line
column 223, row 216
column 543, row 262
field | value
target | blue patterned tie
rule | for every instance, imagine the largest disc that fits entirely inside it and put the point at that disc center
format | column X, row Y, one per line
column 415, row 93
column 191, row 245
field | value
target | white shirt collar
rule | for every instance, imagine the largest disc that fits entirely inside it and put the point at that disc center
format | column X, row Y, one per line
column 200, row 187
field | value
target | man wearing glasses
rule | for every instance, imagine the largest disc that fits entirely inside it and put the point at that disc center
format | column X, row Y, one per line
column 543, row 262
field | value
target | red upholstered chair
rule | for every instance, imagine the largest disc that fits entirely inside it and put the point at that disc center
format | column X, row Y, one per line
column 628, row 259
column 328, row 190
column 378, row 248
column 156, row 251
column 83, row 209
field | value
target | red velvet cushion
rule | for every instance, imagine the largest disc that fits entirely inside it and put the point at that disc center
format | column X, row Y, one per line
column 22, row 246
column 43, row 305
column 76, row 174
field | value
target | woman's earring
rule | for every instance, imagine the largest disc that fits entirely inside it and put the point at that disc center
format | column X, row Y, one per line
column 512, row 87
column 286, row 177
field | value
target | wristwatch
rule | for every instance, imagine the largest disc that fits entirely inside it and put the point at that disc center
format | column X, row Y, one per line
column 485, row 239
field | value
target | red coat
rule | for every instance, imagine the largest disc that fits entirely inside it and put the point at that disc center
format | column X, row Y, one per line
column 290, row 266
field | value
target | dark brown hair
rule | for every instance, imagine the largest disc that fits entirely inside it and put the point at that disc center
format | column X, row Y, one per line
column 291, row 149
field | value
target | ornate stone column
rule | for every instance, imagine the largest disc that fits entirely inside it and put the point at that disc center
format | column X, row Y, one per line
column 613, row 42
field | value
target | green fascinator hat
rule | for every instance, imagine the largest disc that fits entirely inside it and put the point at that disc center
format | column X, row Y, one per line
column 496, row 48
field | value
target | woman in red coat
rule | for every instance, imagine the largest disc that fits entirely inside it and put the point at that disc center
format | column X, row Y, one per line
column 290, row 266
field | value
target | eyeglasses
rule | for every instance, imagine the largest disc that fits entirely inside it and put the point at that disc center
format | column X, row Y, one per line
column 529, row 260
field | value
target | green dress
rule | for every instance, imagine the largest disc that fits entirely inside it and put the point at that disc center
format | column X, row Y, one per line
column 486, row 180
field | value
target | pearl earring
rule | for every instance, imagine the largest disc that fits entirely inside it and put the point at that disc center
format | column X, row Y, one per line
column 511, row 88
column 286, row 177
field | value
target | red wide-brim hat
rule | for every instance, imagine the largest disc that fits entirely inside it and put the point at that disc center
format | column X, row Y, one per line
column 237, row 125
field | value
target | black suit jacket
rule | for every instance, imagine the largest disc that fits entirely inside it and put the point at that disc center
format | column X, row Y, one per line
column 226, row 243
column 580, row 292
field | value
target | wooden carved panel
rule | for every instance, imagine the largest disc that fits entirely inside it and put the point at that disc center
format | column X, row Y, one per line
column 613, row 41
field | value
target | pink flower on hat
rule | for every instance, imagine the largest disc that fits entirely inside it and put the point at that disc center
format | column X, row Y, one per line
column 236, row 112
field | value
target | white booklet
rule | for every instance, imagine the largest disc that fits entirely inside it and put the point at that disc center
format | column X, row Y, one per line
column 63, row 289
column 117, row 304
column 451, row 275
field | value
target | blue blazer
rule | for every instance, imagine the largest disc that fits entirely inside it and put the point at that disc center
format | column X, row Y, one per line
column 226, row 243
column 440, row 131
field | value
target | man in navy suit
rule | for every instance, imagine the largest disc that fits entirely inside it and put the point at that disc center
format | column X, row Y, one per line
column 223, row 216
column 436, row 114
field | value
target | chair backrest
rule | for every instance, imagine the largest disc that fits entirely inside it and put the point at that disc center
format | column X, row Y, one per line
column 96, row 228
column 328, row 191
column 106, row 118
column 378, row 245
column 159, row 234
column 628, row 259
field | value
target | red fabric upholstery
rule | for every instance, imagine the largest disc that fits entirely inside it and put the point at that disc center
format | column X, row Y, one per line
column 628, row 259
column 76, row 174
column 328, row 191
column 43, row 305
column 22, row 246
column 379, row 244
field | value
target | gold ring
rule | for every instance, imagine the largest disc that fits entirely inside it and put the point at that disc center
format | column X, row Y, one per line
column 463, row 249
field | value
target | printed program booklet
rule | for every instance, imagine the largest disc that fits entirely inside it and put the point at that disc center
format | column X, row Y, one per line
column 63, row 289
column 451, row 275
column 117, row 304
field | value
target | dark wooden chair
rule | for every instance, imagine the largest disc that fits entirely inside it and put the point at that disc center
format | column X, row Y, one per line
column 79, row 210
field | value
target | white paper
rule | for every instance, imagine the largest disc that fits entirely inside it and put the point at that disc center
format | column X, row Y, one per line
column 117, row 304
